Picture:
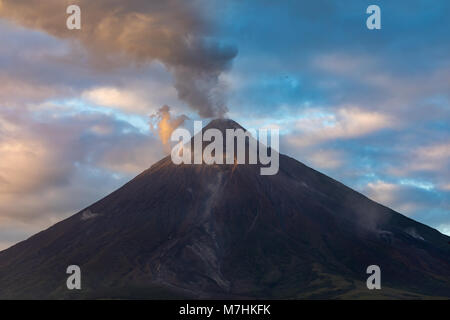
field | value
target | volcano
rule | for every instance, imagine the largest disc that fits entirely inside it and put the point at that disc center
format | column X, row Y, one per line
column 225, row 231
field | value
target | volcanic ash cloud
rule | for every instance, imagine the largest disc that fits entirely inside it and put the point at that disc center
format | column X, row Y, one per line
column 173, row 32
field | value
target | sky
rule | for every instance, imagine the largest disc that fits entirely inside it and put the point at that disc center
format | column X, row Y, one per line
column 369, row 108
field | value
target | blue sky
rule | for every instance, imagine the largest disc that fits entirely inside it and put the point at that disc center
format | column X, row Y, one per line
column 370, row 108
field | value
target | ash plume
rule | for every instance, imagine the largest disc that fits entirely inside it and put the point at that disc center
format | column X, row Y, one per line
column 173, row 32
column 163, row 123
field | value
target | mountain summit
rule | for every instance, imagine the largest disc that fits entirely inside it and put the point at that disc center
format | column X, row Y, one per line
column 222, row 124
column 225, row 231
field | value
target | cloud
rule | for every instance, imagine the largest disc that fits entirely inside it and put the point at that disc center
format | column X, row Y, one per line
column 173, row 32
column 27, row 161
column 410, row 199
column 432, row 157
column 430, row 161
column 117, row 98
column 384, row 192
column 52, row 167
column 444, row 228
column 53, row 69
column 317, row 125
column 325, row 159
column 344, row 64
column 15, row 91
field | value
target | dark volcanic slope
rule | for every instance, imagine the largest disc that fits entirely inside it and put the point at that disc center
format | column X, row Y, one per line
column 226, row 231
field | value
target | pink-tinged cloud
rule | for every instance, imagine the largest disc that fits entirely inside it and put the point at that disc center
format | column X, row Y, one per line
column 316, row 126
column 53, row 167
